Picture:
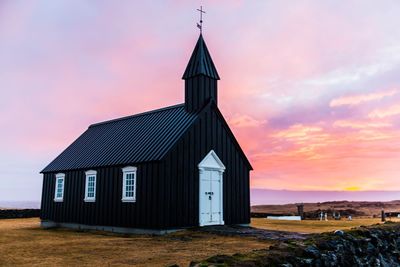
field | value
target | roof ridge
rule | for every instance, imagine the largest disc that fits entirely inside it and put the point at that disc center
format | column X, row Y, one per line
column 136, row 115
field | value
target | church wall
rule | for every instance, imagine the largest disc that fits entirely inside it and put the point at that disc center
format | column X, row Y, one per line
column 180, row 197
column 108, row 209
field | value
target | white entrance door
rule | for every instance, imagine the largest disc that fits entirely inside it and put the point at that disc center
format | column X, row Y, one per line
column 211, row 178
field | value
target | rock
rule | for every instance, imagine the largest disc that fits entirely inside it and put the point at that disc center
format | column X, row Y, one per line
column 371, row 248
column 383, row 262
column 312, row 251
column 339, row 232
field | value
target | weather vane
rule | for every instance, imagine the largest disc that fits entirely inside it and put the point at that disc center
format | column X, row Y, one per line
column 200, row 26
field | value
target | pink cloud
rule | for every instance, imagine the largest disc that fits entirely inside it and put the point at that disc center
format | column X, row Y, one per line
column 240, row 121
column 358, row 99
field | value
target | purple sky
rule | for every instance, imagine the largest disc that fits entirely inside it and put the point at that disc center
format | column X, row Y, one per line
column 311, row 89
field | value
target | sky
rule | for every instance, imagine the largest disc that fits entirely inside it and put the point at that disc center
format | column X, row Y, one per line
column 311, row 89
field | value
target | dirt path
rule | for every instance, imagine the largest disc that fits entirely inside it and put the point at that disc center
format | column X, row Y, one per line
column 260, row 234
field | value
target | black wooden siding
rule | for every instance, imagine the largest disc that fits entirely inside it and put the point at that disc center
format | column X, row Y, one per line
column 198, row 91
column 108, row 210
column 180, row 199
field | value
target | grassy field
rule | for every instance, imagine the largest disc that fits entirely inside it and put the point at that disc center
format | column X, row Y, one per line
column 311, row 226
column 22, row 242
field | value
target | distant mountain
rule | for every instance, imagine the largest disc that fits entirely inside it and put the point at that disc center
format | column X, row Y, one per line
column 268, row 196
column 19, row 205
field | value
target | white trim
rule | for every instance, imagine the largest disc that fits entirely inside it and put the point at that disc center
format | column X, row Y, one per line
column 204, row 165
column 59, row 176
column 88, row 174
column 125, row 171
column 129, row 169
column 91, row 172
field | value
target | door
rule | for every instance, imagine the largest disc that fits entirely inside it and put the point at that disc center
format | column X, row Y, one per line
column 211, row 190
column 210, row 197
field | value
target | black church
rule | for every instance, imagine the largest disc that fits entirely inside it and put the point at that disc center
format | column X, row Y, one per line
column 175, row 167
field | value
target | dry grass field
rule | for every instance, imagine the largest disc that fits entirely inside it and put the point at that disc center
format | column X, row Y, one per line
column 311, row 226
column 22, row 242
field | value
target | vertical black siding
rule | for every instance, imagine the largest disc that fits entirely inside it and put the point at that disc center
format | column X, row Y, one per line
column 181, row 195
column 108, row 210
column 198, row 91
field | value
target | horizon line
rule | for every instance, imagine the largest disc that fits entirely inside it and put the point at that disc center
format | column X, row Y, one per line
column 322, row 190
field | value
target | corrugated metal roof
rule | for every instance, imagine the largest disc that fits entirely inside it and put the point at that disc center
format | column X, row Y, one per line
column 200, row 62
column 138, row 138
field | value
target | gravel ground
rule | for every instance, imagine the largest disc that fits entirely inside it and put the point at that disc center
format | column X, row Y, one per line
column 248, row 231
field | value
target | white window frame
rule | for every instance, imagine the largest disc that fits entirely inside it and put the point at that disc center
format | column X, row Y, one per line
column 59, row 176
column 125, row 171
column 90, row 173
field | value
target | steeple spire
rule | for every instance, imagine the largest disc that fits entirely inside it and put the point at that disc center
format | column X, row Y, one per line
column 200, row 62
column 200, row 77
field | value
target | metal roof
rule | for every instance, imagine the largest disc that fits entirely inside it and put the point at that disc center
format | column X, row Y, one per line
column 200, row 62
column 138, row 138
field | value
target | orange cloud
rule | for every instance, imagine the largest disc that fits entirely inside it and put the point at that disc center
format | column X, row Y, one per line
column 240, row 121
column 358, row 99
column 300, row 133
column 371, row 135
column 385, row 112
column 360, row 124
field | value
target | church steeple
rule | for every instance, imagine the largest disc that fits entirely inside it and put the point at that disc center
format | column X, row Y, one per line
column 200, row 62
column 200, row 77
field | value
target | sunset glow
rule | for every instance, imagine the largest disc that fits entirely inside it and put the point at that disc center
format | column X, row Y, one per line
column 311, row 90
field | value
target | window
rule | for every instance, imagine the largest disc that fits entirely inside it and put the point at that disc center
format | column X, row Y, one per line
column 90, row 186
column 59, row 191
column 129, row 184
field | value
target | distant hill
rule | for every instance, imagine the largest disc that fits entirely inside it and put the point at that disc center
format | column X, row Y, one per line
column 267, row 196
column 355, row 208
column 19, row 204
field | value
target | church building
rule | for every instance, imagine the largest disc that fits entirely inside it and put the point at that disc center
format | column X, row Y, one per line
column 170, row 168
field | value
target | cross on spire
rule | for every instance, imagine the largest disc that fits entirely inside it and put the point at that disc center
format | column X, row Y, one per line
column 200, row 26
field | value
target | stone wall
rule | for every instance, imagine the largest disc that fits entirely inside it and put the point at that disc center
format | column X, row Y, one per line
column 377, row 245
column 20, row 213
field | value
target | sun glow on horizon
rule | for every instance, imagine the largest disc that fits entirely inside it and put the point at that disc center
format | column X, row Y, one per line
column 353, row 188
